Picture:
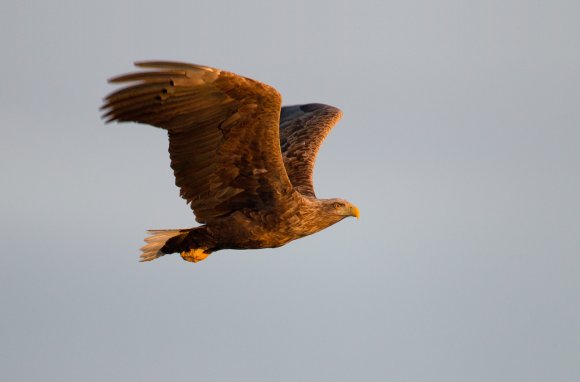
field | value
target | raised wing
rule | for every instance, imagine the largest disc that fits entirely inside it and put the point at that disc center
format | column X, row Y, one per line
column 223, row 133
column 302, row 130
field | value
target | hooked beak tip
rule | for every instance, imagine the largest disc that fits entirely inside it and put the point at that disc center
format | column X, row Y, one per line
column 356, row 213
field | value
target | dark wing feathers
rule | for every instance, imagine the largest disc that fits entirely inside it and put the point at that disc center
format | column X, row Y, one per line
column 223, row 131
column 302, row 130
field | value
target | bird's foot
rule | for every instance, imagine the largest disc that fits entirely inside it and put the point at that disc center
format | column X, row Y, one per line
column 194, row 255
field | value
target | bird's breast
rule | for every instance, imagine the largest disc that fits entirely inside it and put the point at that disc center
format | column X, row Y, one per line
column 262, row 229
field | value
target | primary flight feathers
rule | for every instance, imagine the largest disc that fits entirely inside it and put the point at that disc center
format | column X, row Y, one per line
column 242, row 161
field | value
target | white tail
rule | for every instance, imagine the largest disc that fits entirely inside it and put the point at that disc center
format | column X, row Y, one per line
column 156, row 241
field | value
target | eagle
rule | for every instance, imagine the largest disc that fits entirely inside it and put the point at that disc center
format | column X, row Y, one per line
column 242, row 161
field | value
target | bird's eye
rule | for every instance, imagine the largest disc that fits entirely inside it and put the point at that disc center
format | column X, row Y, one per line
column 336, row 205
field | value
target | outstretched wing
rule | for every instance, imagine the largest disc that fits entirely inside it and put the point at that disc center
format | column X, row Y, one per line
column 302, row 130
column 223, row 133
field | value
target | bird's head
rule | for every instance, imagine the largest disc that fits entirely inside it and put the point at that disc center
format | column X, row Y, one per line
column 340, row 208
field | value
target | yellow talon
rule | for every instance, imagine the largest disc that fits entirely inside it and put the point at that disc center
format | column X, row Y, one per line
column 194, row 255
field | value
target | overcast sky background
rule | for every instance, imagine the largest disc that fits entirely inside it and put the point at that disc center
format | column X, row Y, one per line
column 460, row 144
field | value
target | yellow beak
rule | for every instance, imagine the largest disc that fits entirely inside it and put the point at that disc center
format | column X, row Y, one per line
column 354, row 212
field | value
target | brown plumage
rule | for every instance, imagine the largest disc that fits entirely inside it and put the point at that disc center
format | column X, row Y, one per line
column 242, row 161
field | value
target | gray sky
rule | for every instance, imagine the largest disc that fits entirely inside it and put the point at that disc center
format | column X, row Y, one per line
column 460, row 144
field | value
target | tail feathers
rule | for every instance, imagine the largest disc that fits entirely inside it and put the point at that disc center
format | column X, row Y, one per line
column 158, row 238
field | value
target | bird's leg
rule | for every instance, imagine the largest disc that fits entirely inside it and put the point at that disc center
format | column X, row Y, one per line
column 194, row 255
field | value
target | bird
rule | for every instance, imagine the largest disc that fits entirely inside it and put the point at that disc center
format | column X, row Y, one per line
column 243, row 162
